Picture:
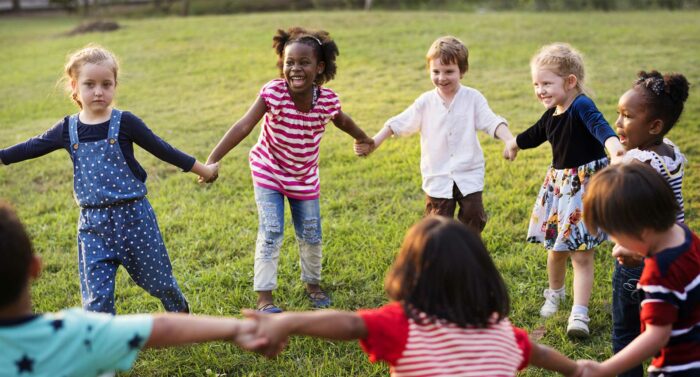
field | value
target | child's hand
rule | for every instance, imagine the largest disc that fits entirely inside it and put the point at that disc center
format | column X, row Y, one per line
column 247, row 336
column 589, row 368
column 511, row 150
column 617, row 157
column 363, row 147
column 212, row 173
column 270, row 327
column 626, row 257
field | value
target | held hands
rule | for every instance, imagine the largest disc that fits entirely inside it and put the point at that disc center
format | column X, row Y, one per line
column 364, row 147
column 272, row 328
column 590, row 368
column 511, row 149
column 626, row 257
column 212, row 173
column 247, row 336
column 617, row 156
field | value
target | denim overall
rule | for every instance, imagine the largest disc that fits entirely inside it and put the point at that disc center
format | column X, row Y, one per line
column 117, row 225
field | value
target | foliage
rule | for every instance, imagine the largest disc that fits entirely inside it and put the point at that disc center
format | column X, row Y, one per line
column 190, row 78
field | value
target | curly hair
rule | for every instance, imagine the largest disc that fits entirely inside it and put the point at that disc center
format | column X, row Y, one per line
column 664, row 95
column 324, row 47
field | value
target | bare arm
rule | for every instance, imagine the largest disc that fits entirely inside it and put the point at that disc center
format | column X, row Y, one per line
column 328, row 324
column 238, row 131
column 363, row 149
column 548, row 358
column 172, row 329
column 642, row 348
column 347, row 125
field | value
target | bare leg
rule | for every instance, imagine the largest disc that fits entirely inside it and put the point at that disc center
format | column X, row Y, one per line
column 556, row 268
column 583, row 264
column 264, row 298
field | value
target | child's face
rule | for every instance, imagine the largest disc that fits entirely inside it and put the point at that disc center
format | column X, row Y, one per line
column 445, row 77
column 301, row 67
column 551, row 89
column 95, row 87
column 633, row 125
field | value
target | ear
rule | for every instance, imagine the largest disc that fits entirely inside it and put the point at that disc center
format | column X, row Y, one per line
column 571, row 81
column 321, row 67
column 35, row 267
column 656, row 127
column 73, row 85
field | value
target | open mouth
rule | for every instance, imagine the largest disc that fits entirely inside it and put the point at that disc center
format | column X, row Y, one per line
column 297, row 80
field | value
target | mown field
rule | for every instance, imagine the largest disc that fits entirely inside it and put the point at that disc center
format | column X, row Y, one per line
column 189, row 79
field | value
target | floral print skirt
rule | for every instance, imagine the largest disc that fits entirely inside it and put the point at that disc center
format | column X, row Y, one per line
column 557, row 219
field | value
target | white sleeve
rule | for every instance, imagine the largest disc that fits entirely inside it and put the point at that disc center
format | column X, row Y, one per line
column 486, row 120
column 409, row 121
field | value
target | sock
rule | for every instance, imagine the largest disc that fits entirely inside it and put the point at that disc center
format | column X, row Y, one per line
column 579, row 309
column 560, row 291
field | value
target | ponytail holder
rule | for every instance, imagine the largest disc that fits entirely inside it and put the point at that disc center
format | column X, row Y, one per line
column 655, row 84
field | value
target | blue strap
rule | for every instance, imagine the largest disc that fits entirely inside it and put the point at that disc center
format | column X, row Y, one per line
column 114, row 121
column 73, row 131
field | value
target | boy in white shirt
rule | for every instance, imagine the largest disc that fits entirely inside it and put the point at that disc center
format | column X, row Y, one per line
column 452, row 162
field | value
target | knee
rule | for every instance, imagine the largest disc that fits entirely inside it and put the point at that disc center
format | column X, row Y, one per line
column 310, row 232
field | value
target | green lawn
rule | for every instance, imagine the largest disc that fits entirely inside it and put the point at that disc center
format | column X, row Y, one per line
column 189, row 79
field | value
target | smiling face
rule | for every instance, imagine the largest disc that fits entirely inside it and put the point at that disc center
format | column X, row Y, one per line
column 445, row 77
column 553, row 90
column 301, row 66
column 633, row 125
column 95, row 87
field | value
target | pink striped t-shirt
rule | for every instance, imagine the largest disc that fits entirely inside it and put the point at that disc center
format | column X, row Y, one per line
column 440, row 348
column 285, row 158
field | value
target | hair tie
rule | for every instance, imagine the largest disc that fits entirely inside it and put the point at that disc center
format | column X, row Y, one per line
column 655, row 84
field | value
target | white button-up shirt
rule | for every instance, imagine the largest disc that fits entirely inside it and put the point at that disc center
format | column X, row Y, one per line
column 450, row 149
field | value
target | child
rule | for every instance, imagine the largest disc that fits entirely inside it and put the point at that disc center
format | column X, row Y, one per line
column 117, row 224
column 646, row 113
column 448, row 316
column 452, row 163
column 577, row 132
column 636, row 207
column 284, row 162
column 77, row 343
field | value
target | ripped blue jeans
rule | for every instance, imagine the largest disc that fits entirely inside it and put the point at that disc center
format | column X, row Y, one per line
column 306, row 216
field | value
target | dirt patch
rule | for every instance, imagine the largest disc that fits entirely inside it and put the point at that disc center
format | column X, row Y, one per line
column 94, row 26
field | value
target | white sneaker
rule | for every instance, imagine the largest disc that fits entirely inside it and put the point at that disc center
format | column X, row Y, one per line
column 551, row 302
column 578, row 326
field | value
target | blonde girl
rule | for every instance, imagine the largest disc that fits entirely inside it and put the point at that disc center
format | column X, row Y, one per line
column 578, row 134
column 117, row 224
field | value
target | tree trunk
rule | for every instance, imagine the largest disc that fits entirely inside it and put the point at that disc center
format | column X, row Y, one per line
column 185, row 8
column 368, row 4
column 16, row 6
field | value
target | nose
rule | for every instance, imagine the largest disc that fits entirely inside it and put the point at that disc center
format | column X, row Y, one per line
column 618, row 121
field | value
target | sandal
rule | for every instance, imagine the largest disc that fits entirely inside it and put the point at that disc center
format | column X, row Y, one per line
column 270, row 308
column 319, row 299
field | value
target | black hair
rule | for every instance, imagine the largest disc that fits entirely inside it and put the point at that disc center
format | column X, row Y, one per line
column 444, row 271
column 325, row 48
column 15, row 255
column 627, row 199
column 664, row 96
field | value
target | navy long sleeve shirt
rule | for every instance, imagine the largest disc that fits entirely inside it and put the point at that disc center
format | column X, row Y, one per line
column 132, row 130
column 577, row 136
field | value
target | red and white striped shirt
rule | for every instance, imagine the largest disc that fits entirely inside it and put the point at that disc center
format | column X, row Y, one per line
column 441, row 348
column 286, row 156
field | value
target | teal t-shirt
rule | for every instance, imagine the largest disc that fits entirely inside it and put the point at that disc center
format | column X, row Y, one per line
column 71, row 343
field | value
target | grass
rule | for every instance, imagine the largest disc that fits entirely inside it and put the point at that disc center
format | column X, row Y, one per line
column 190, row 78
